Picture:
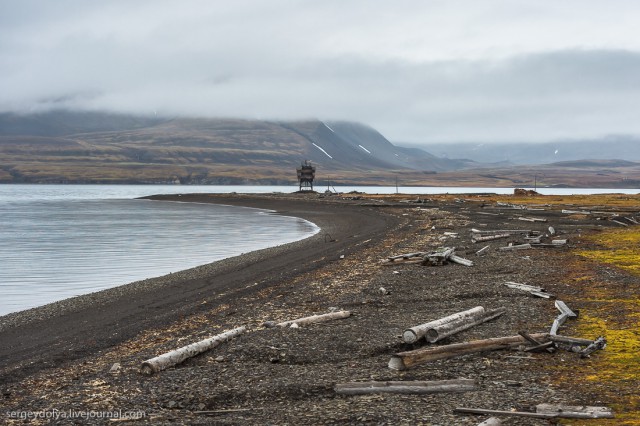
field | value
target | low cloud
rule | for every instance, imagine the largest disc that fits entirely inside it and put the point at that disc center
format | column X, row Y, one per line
column 331, row 60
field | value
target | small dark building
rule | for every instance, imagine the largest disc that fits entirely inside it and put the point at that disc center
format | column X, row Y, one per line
column 306, row 174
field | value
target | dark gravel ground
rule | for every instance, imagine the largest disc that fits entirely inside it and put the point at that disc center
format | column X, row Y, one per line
column 286, row 376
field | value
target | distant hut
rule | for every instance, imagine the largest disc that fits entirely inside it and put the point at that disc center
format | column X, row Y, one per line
column 306, row 174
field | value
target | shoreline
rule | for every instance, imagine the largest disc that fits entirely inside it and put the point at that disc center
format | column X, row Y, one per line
column 156, row 301
column 68, row 304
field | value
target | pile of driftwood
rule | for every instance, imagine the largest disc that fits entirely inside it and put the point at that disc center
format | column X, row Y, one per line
column 438, row 257
column 435, row 330
column 532, row 239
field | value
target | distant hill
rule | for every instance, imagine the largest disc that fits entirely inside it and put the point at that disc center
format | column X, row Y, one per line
column 91, row 147
column 63, row 146
column 627, row 147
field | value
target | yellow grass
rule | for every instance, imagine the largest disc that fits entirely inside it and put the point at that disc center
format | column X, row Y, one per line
column 614, row 312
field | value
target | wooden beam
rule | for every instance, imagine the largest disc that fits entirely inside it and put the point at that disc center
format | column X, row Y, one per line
column 463, row 410
column 406, row 387
column 405, row 360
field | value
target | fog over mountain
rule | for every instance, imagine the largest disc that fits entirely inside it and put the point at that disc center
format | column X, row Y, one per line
column 416, row 71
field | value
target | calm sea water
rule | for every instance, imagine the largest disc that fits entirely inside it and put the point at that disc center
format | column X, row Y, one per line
column 59, row 241
column 62, row 241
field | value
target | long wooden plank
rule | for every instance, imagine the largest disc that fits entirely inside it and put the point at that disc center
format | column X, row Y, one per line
column 406, row 387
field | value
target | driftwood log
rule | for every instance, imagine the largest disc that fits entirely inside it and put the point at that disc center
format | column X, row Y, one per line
column 482, row 251
column 547, row 411
column 570, row 340
column 441, row 331
column 557, row 323
column 501, row 231
column 564, row 309
column 407, row 256
column 409, row 359
column 480, row 238
column 416, row 333
column 460, row 260
column 406, row 387
column 516, row 247
column 599, row 343
column 532, row 219
column 169, row 359
column 438, row 257
column 576, row 412
column 535, row 291
column 315, row 319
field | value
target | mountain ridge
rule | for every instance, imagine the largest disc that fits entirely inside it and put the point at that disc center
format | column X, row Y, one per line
column 85, row 147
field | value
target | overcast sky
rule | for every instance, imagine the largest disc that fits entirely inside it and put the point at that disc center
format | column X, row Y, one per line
column 416, row 70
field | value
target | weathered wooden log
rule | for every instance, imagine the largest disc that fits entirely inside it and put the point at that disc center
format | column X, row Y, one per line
column 620, row 223
column 407, row 255
column 632, row 220
column 575, row 212
column 406, row 387
column 537, row 345
column 564, row 309
column 501, row 231
column 416, row 333
column 517, row 247
column 439, row 256
column 491, row 421
column 441, row 331
column 169, row 359
column 405, row 360
column 557, row 323
column 460, row 260
column 464, row 410
column 529, row 338
column 546, row 346
column 480, row 238
column 482, row 251
column 570, row 340
column 532, row 219
column 558, row 242
column 599, row 343
column 316, row 318
column 548, row 411
column 387, row 262
column 524, row 287
column 576, row 412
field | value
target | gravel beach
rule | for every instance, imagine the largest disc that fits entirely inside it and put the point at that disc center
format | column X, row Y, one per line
column 85, row 353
